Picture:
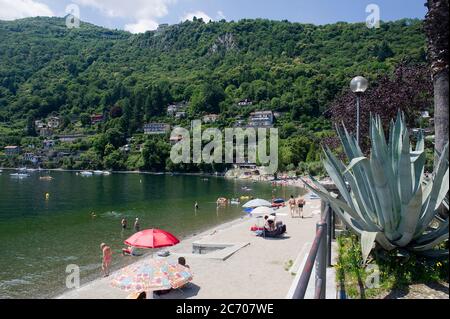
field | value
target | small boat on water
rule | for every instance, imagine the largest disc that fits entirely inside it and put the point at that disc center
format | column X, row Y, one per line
column 46, row 178
column 86, row 173
column 235, row 201
column 98, row 172
column 106, row 173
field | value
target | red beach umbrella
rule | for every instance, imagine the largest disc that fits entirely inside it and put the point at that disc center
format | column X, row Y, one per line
column 152, row 238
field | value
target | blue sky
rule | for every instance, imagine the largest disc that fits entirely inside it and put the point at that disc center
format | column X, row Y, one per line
column 141, row 15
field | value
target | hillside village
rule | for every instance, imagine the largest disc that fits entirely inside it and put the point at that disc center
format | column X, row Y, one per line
column 57, row 145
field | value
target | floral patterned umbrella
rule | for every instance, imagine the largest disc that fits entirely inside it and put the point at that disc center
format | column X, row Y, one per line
column 155, row 274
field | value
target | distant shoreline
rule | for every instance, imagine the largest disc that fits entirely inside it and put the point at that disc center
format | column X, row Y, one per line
column 112, row 171
column 163, row 173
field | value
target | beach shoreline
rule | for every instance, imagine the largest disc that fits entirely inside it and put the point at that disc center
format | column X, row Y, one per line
column 236, row 273
column 197, row 235
column 184, row 240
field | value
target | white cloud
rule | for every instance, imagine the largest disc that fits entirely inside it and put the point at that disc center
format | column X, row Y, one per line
column 141, row 26
column 198, row 14
column 18, row 9
column 221, row 15
column 143, row 13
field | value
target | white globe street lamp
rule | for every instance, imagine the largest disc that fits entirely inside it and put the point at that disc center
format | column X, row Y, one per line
column 358, row 85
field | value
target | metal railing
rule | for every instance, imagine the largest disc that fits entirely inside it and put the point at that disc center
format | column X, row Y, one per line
column 319, row 256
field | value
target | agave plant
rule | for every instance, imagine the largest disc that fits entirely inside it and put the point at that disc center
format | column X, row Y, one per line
column 385, row 197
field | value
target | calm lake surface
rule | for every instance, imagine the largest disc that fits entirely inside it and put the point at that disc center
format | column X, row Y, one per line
column 39, row 237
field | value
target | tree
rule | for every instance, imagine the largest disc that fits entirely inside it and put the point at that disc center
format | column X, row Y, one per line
column 436, row 28
column 116, row 112
column 115, row 137
column 31, row 131
column 206, row 98
column 155, row 154
column 85, row 119
column 383, row 51
column 409, row 90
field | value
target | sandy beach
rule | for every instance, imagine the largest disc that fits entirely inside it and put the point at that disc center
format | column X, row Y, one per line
column 254, row 267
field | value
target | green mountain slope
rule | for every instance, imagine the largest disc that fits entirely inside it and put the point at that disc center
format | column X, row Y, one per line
column 47, row 67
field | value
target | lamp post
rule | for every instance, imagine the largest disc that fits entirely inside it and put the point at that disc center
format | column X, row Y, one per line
column 358, row 85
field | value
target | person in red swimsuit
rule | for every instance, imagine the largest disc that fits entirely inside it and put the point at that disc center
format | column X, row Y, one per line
column 107, row 257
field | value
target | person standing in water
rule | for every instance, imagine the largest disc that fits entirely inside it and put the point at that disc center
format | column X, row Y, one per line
column 124, row 223
column 137, row 227
column 107, row 257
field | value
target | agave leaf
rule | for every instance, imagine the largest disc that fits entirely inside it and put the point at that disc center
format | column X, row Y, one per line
column 396, row 143
column 439, row 189
column 418, row 159
column 382, row 189
column 355, row 223
column 445, row 203
column 362, row 201
column 331, row 165
column 323, row 193
column 354, row 162
column 426, row 193
column 384, row 242
column 343, row 136
column 367, row 241
column 372, row 194
column 410, row 216
column 431, row 244
column 381, row 152
column 379, row 146
column 420, row 145
column 443, row 191
column 404, row 172
column 430, row 236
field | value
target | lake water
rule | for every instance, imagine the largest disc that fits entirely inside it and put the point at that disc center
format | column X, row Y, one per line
column 40, row 237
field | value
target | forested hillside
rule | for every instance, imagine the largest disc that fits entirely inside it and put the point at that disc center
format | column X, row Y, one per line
column 295, row 69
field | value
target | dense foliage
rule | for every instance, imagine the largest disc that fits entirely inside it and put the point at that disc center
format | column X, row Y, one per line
column 409, row 90
column 296, row 69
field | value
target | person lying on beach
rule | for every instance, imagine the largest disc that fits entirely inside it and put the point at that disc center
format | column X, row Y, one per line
column 107, row 257
column 130, row 251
